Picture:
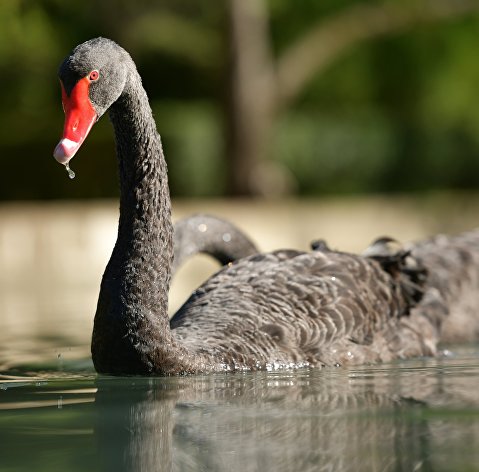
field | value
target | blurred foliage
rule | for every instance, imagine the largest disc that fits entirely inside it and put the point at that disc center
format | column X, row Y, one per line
column 395, row 113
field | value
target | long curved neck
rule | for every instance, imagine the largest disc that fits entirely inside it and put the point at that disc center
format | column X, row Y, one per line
column 131, row 319
column 145, row 227
column 210, row 235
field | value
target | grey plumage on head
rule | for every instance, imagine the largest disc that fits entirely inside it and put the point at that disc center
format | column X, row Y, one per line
column 105, row 56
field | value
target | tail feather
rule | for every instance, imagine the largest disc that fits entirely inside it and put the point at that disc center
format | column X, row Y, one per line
column 452, row 284
column 406, row 269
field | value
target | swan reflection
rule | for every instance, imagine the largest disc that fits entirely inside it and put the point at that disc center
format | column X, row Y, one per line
column 374, row 418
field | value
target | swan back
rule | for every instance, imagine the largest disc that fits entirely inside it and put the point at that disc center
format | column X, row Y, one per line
column 291, row 308
column 452, row 290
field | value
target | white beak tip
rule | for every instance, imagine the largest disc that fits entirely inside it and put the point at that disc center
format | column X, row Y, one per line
column 65, row 150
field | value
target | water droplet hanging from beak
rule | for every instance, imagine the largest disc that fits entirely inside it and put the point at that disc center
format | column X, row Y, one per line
column 71, row 174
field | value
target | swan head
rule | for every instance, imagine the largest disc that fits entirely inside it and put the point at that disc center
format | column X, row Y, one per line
column 92, row 78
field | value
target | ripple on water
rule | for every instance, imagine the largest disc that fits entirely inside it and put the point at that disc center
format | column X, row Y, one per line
column 412, row 414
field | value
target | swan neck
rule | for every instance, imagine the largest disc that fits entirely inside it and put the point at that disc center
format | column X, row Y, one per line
column 131, row 322
column 145, row 227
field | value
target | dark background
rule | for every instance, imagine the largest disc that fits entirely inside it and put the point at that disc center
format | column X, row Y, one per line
column 384, row 97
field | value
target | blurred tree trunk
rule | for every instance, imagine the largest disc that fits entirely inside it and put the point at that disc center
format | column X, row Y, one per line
column 260, row 87
column 248, row 112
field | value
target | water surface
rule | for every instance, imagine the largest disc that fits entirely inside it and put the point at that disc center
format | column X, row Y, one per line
column 420, row 414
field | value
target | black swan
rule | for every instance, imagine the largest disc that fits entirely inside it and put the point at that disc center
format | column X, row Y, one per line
column 285, row 309
column 209, row 235
column 452, row 262
column 450, row 298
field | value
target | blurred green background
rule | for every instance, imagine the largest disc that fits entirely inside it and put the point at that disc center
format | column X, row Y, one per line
column 254, row 97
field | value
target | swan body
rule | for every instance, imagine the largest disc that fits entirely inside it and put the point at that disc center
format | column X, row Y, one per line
column 447, row 311
column 452, row 262
column 284, row 309
column 451, row 293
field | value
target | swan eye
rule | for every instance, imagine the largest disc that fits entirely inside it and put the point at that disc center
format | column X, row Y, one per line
column 94, row 76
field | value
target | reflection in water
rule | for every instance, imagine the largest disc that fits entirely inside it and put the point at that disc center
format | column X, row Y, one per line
column 367, row 419
column 412, row 415
column 134, row 424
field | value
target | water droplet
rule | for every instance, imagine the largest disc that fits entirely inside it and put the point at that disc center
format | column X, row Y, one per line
column 446, row 353
column 202, row 228
column 226, row 237
column 71, row 174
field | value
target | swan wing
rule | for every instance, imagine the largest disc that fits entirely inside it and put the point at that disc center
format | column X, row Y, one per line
column 292, row 307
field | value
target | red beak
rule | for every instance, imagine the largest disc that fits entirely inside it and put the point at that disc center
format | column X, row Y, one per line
column 79, row 118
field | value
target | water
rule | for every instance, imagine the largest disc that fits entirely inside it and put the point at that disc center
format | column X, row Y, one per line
column 419, row 414
column 71, row 174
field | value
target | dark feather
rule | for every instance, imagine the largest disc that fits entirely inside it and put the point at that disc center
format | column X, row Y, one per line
column 285, row 309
